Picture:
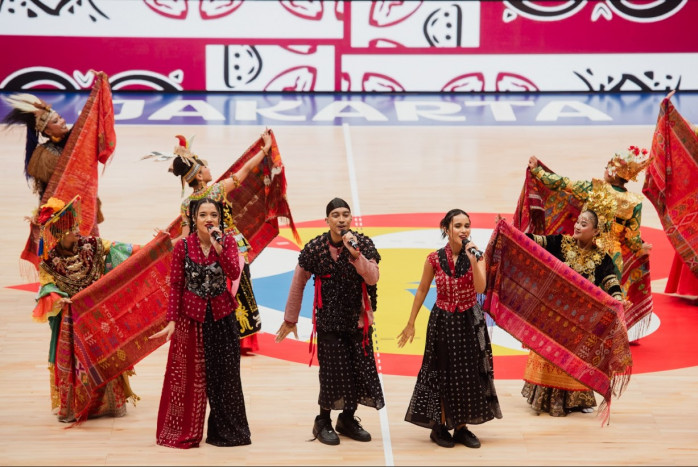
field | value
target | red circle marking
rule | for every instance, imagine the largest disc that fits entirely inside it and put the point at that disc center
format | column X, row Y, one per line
column 671, row 346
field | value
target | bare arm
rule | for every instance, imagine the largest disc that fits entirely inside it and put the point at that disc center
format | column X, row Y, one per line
column 233, row 181
column 407, row 334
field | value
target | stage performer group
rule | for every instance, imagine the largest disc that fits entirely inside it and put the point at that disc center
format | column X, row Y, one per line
column 568, row 276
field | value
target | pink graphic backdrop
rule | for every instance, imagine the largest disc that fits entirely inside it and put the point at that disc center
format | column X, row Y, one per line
column 416, row 46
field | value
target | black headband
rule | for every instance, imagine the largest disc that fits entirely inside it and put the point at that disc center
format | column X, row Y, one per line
column 334, row 204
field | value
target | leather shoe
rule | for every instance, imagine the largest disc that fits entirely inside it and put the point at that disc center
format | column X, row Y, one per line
column 350, row 426
column 466, row 437
column 322, row 430
column 441, row 436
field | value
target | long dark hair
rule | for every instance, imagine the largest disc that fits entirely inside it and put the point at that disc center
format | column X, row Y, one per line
column 195, row 205
column 448, row 218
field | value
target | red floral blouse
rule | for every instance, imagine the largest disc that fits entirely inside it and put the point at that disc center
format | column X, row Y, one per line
column 452, row 293
column 184, row 301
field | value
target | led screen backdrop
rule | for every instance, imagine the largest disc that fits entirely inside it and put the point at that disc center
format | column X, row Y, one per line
column 360, row 46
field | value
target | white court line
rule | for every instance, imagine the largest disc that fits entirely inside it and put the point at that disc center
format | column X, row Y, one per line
column 356, row 215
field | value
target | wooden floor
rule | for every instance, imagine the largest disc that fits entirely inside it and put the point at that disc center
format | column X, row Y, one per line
column 397, row 170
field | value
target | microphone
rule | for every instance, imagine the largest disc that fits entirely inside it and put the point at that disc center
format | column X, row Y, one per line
column 473, row 251
column 352, row 242
column 216, row 235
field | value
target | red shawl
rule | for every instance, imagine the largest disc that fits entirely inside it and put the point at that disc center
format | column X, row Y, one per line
column 670, row 183
column 543, row 211
column 92, row 140
column 260, row 200
column 557, row 313
column 112, row 321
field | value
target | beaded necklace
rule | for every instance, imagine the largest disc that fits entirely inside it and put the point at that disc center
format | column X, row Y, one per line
column 581, row 260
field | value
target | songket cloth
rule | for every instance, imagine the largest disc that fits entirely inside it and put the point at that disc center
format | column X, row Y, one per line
column 543, row 211
column 681, row 279
column 107, row 330
column 204, row 364
column 260, row 200
column 92, row 141
column 670, row 182
column 557, row 313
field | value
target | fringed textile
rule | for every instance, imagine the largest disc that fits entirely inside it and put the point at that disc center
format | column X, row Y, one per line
column 92, row 140
column 113, row 318
column 543, row 211
column 557, row 313
column 670, row 182
column 260, row 200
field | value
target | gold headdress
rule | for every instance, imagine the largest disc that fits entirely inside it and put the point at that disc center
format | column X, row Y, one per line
column 28, row 103
column 56, row 220
column 629, row 163
column 604, row 205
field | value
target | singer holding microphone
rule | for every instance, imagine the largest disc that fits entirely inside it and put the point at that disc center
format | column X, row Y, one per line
column 455, row 385
column 204, row 357
column 344, row 265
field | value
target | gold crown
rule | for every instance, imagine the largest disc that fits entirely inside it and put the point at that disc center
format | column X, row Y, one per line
column 604, row 205
column 629, row 163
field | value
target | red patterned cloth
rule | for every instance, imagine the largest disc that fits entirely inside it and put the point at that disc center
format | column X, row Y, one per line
column 92, row 140
column 112, row 320
column 670, row 183
column 183, row 401
column 557, row 313
column 260, row 200
column 681, row 279
column 543, row 211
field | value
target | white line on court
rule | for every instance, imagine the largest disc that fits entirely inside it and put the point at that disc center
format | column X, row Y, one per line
column 356, row 215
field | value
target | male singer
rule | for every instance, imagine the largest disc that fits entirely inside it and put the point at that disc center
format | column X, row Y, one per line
column 344, row 265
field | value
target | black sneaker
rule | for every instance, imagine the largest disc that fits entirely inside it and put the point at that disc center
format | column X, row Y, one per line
column 441, row 436
column 322, row 430
column 466, row 437
column 350, row 426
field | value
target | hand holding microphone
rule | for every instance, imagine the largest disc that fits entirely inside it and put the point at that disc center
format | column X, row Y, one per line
column 472, row 250
column 216, row 235
column 352, row 241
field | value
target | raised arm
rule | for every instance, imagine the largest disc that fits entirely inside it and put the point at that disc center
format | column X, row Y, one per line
column 479, row 273
column 237, row 178
column 553, row 181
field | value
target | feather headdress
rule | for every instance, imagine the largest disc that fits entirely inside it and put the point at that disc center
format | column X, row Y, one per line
column 32, row 112
column 30, row 104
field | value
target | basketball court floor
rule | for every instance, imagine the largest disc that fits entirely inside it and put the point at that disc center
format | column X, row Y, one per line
column 401, row 162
